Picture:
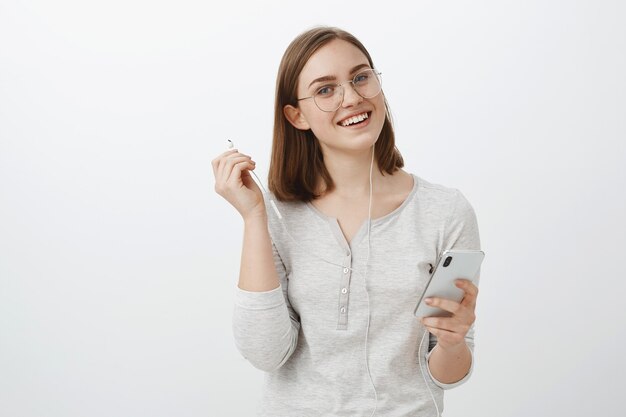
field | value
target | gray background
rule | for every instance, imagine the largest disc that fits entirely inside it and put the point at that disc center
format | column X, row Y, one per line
column 118, row 262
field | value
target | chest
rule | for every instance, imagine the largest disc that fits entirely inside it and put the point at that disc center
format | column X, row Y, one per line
column 332, row 296
column 352, row 215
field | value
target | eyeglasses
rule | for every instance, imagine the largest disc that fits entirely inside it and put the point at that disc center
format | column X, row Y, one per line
column 329, row 97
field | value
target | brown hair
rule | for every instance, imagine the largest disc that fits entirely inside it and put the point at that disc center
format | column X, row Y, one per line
column 297, row 162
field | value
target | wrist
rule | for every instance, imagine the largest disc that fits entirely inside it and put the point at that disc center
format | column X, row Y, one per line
column 454, row 350
column 255, row 217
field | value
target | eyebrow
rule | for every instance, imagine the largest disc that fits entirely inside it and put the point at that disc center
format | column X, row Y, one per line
column 333, row 78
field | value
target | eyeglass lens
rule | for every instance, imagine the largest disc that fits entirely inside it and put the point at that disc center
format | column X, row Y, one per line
column 366, row 83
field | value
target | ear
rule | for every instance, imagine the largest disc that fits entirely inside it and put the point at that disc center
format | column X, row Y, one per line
column 295, row 117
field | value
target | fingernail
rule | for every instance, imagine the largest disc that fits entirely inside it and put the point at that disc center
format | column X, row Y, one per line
column 428, row 300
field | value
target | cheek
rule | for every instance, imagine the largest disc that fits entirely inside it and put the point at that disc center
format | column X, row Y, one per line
column 380, row 106
column 320, row 123
column 380, row 103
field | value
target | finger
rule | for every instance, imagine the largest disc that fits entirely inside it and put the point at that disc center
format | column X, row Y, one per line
column 467, row 286
column 443, row 323
column 446, row 337
column 449, row 324
column 232, row 177
column 224, row 171
column 444, row 304
column 219, row 160
column 239, row 173
column 228, row 151
column 471, row 292
column 226, row 167
column 246, row 177
column 231, row 173
column 224, row 161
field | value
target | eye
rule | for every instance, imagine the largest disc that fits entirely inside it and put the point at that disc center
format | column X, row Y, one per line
column 362, row 78
column 326, row 91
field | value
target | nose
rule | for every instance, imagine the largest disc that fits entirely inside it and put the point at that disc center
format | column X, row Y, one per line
column 350, row 96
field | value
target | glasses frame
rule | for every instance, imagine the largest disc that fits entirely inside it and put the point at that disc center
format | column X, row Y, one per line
column 378, row 75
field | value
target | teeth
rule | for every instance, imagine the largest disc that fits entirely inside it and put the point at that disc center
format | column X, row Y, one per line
column 354, row 119
column 359, row 118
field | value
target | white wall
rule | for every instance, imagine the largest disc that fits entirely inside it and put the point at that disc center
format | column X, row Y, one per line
column 118, row 262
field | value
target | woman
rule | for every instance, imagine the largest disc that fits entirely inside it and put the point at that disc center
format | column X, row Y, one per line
column 326, row 297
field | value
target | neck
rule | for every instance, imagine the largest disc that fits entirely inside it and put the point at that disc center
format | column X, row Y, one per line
column 351, row 174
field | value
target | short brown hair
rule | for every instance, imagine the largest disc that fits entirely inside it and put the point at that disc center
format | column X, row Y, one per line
column 297, row 162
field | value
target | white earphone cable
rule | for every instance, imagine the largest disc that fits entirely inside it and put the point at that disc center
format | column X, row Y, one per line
column 369, row 223
column 369, row 315
column 419, row 358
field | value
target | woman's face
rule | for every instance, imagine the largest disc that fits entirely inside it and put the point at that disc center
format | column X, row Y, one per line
column 336, row 63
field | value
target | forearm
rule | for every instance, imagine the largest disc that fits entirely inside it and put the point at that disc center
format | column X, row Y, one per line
column 450, row 365
column 257, row 272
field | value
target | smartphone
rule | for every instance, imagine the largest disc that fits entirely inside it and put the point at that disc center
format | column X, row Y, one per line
column 452, row 265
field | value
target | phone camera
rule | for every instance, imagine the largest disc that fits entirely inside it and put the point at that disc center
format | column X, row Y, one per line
column 447, row 261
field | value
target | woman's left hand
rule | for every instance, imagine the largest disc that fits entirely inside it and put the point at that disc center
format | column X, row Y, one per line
column 451, row 331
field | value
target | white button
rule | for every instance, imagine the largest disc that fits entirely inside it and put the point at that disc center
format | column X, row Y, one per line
column 345, row 270
column 344, row 290
column 343, row 309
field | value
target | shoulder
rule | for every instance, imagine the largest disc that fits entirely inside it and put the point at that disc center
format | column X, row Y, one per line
column 291, row 213
column 438, row 194
column 274, row 206
column 458, row 219
column 447, row 203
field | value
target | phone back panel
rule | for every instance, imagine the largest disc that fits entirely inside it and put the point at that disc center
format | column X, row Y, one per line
column 463, row 265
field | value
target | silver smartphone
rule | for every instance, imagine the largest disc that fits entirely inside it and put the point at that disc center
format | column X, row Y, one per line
column 452, row 265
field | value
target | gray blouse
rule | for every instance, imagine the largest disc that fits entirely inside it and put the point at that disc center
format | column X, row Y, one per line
column 333, row 317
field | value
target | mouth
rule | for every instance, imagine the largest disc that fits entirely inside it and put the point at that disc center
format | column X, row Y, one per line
column 355, row 120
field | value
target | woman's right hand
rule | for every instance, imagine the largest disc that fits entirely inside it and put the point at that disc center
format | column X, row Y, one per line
column 234, row 182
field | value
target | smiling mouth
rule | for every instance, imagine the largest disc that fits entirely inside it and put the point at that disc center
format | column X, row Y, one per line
column 354, row 120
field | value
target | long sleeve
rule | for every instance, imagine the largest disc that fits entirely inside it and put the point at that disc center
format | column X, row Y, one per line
column 265, row 326
column 334, row 340
column 461, row 232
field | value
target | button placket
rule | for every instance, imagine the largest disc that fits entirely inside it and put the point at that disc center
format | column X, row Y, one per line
column 344, row 293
